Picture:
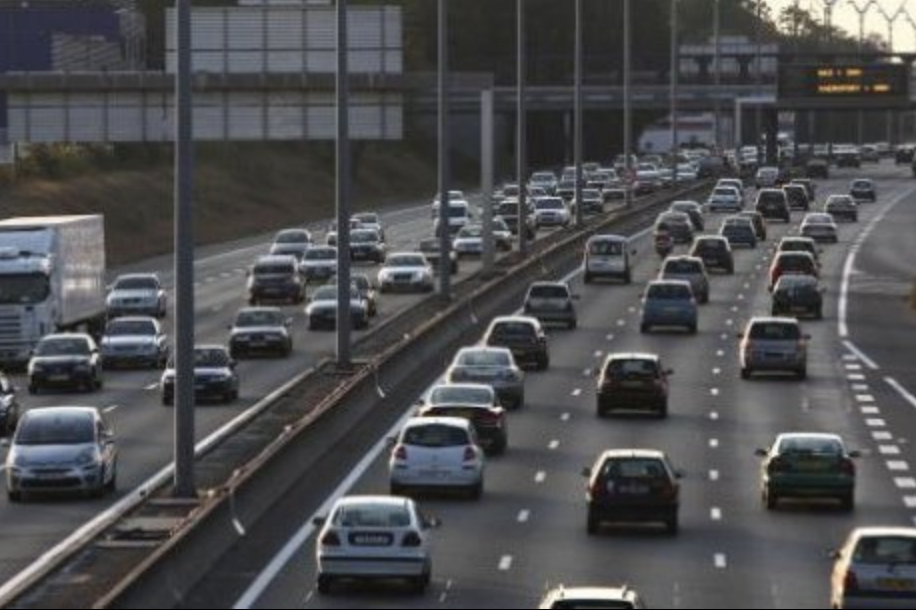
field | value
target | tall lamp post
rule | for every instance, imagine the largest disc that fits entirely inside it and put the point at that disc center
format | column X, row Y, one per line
column 675, row 74
column 891, row 19
column 521, row 145
column 578, row 153
column 912, row 23
column 829, row 5
column 445, row 200
column 862, row 10
column 628, row 101
column 343, row 188
column 717, row 78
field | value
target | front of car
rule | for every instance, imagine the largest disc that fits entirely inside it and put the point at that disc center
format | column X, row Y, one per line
column 215, row 377
column 63, row 361
column 469, row 241
column 406, row 272
column 319, row 264
column 494, row 367
column 262, row 330
column 136, row 295
column 133, row 342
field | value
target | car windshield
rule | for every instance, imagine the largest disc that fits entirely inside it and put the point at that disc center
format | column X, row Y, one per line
column 43, row 430
column 709, row 245
column 725, row 193
column 372, row 516
column 368, row 219
column 819, row 219
column 513, row 330
column 681, row 267
column 29, row 289
column 435, row 436
column 247, row 319
column 361, row 283
column 550, row 204
column 861, row 184
column 470, row 232
column 885, row 550
column 772, row 198
column 405, row 261
column 548, row 291
column 774, row 331
column 591, row 194
column 126, row 328
column 810, row 446
column 605, row 247
column 632, row 369
column 572, row 604
column 508, row 209
column 137, row 283
column 63, row 347
column 445, row 395
column 274, row 269
column 321, row 254
column 292, row 237
column 795, row 262
column 364, row 237
column 485, row 359
column 668, row 292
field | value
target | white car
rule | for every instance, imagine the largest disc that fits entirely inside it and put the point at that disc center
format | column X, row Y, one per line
column 407, row 272
column 469, row 241
column 291, row 242
column 608, row 256
column 371, row 220
column 133, row 342
column 735, row 183
column 459, row 216
column 137, row 295
column 726, row 199
column 821, row 228
column 374, row 538
column 551, row 212
column 876, row 568
column 592, row 597
column 437, row 453
column 767, row 177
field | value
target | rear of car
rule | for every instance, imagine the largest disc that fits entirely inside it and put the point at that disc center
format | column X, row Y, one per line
column 863, row 191
column 726, row 199
column 678, row 225
column 564, row 598
column 808, row 467
column 633, row 487
column 524, row 337
column 774, row 345
column 607, row 256
column 551, row 303
column 715, row 252
column 275, row 279
column 669, row 304
column 796, row 296
column 821, row 228
column 690, row 270
column 490, row 422
column 438, row 453
column 494, row 367
column 876, row 568
column 798, row 197
column 633, row 382
column 842, row 207
column 792, row 263
column 773, row 204
column 739, row 232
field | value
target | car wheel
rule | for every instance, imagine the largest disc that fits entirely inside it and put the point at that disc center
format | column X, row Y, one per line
column 14, row 497
column 475, row 492
column 746, row 374
column 324, row 584
column 663, row 411
column 848, row 502
column 770, row 500
column 397, row 490
column 573, row 325
column 98, row 383
column 593, row 526
column 644, row 328
column 673, row 525
column 803, row 374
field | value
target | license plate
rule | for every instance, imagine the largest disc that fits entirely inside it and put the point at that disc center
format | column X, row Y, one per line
column 634, row 490
column 200, row 388
column 897, row 584
column 372, row 540
column 257, row 344
column 433, row 474
column 49, row 476
column 799, row 309
column 59, row 378
column 632, row 385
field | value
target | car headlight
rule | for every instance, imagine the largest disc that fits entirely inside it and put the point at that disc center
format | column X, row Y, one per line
column 82, row 367
column 88, row 458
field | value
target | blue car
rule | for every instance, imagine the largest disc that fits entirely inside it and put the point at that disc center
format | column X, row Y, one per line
column 671, row 304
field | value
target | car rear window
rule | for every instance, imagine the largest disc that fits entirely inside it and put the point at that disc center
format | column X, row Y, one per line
column 772, row 198
column 635, row 369
column 795, row 262
column 810, row 446
column 56, row 430
column 605, row 247
column 710, row 245
column 435, row 436
column 635, row 469
column 549, row 292
column 513, row 330
column 774, row 331
column 682, row 267
column 481, row 358
column 569, row 604
column 462, row 395
column 886, row 550
column 668, row 292
column 372, row 516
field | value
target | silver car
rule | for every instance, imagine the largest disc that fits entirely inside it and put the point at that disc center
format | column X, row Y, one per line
column 876, row 568
column 437, row 453
column 491, row 366
column 61, row 450
column 774, row 345
column 134, row 342
column 319, row 264
column 821, row 228
column 408, row 272
column 291, row 242
column 689, row 269
column 374, row 538
column 139, row 294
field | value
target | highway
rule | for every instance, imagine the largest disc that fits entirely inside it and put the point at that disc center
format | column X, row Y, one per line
column 528, row 533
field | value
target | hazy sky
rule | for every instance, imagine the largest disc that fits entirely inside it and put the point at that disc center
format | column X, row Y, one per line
column 845, row 16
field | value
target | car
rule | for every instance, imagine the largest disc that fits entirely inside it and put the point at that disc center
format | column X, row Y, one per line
column 275, row 279
column 431, row 248
column 374, row 538
column 875, row 568
column 808, row 466
column 552, row 303
column 137, row 294
column 792, row 263
column 319, row 264
column 822, row 228
column 759, row 223
column 491, row 366
column 71, row 361
column 669, row 304
column 551, row 212
column 798, row 197
column 58, row 450
column 322, row 309
column 469, row 241
column 406, row 272
column 367, row 245
column 545, row 180
column 508, row 211
column 632, row 486
column 678, row 225
column 592, row 202
column 291, row 242
column 863, row 190
column 774, row 345
column 800, row 244
column 476, row 403
column 260, row 331
column 9, row 407
column 371, row 221
column 134, row 342
column 459, row 215
column 870, row 154
column 773, row 204
column 798, row 295
column 592, row 597
column 905, row 154
column 817, row 168
column 367, row 293
column 440, row 453
column 691, row 270
column 215, row 376
column 848, row 156
column 739, row 231
column 735, row 183
column 809, row 185
column 715, row 252
column 842, row 207
column 767, row 178
column 633, row 382
column 693, row 210
column 648, row 180
column 330, row 238
column 725, row 199
column 608, row 256
column 566, row 188
column 524, row 337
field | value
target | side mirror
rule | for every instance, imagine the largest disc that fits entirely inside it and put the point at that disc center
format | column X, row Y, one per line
column 431, row 523
column 669, row 372
column 808, row 337
column 587, row 473
column 855, row 455
column 288, row 322
column 5, row 443
column 761, row 453
column 319, row 521
column 835, row 555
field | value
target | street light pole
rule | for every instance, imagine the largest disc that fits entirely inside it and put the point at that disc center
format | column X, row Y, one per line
column 445, row 200
column 862, row 10
column 675, row 77
column 343, row 188
column 758, row 72
column 828, row 22
column 628, row 101
column 521, row 128
column 891, row 19
column 184, row 484
column 717, row 54
column 579, row 51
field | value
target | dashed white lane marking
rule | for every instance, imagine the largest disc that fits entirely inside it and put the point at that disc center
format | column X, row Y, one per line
column 720, row 353
column 713, row 443
column 715, row 514
column 565, row 417
column 225, row 275
column 152, row 387
column 540, row 477
column 714, row 475
column 909, row 501
column 505, row 563
column 861, row 356
column 850, row 357
column 876, row 423
column 587, row 372
column 717, row 371
column 714, row 392
column 554, row 445
column 714, row 416
column 621, row 323
column 729, row 322
column 898, row 466
column 889, row 450
column 860, row 387
column 721, row 561
column 210, row 280
column 856, row 377
column 871, row 411
column 853, row 367
column 905, row 483
column 632, row 310
column 882, row 436
column 865, row 398
column 725, row 337
column 577, row 392
column 111, row 408
column 599, row 354
column 904, row 393
column 524, row 516
column 216, row 309
column 610, row 338
column 740, row 297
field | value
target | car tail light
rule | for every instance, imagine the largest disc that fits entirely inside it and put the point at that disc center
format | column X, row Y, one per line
column 596, row 489
column 331, row 538
column 470, row 454
column 848, row 467
column 851, row 582
column 412, row 540
column 776, row 465
column 400, row 453
column 492, row 418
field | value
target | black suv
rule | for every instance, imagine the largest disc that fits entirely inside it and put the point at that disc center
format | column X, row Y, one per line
column 798, row 295
column 774, row 205
column 798, row 197
column 633, row 382
column 524, row 337
column 631, row 486
column 864, row 190
column 715, row 252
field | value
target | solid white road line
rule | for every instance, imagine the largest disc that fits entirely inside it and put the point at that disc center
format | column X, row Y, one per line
column 861, row 356
column 904, row 393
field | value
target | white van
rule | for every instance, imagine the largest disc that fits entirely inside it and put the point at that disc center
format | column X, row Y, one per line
column 608, row 256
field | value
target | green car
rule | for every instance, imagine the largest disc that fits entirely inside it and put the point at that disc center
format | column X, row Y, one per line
column 808, row 466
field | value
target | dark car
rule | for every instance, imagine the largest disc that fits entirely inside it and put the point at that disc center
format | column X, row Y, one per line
column 68, row 361
column 134, row 342
column 792, row 263
column 849, row 157
column 633, row 486
column 215, row 376
column 817, row 168
column 552, row 303
column 367, row 292
column 796, row 296
column 905, row 155
column 809, row 185
column 9, row 407
column 633, row 382
column 261, row 331
column 798, row 197
column 739, row 231
column 800, row 244
column 759, row 223
column 476, row 403
column 275, row 279
column 773, row 204
column 367, row 245
column 509, row 212
column 524, row 337
column 863, row 190
column 715, row 252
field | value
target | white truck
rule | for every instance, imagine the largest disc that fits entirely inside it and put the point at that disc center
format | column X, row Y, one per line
column 52, row 279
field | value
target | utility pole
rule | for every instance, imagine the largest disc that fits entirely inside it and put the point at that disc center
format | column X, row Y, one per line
column 521, row 145
column 675, row 77
column 717, row 43
column 828, row 21
column 862, row 10
column 579, row 129
column 758, row 72
column 343, row 188
column 891, row 19
column 445, row 200
column 628, row 100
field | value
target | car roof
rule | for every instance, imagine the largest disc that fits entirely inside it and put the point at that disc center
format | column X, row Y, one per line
column 515, row 320
column 57, row 336
column 64, row 411
column 592, row 593
column 276, row 258
column 809, row 435
column 393, row 501
column 881, row 532
column 453, row 422
column 678, row 283
column 482, row 349
column 617, row 454
column 260, row 310
column 773, row 320
column 612, row 238
column 632, row 356
column 137, row 276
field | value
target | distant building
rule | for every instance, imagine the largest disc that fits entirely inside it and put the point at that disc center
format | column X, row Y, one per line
column 739, row 59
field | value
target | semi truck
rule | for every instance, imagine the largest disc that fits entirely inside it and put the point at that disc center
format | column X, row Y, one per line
column 52, row 279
